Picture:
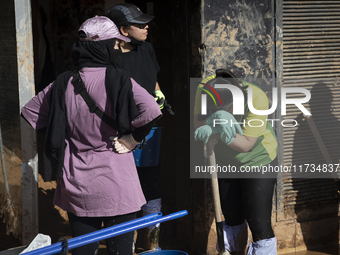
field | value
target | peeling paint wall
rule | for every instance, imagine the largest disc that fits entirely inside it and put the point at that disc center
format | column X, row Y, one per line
column 237, row 35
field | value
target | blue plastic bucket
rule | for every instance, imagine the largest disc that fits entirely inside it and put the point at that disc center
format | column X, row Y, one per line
column 164, row 252
column 149, row 155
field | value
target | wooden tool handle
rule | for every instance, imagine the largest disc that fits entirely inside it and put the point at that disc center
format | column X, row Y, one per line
column 216, row 197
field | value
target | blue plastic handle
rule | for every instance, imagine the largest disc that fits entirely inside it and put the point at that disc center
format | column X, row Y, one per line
column 105, row 234
column 104, row 231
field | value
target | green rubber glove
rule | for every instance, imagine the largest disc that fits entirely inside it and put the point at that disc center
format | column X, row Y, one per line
column 160, row 98
column 226, row 140
column 204, row 132
column 225, row 128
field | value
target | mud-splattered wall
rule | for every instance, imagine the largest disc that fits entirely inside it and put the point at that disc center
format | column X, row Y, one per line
column 238, row 35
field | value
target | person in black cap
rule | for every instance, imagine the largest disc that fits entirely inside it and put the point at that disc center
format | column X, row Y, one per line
column 139, row 59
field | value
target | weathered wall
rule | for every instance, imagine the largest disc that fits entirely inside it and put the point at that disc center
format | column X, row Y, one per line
column 237, row 35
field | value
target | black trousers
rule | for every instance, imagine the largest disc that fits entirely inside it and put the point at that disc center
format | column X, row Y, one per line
column 251, row 200
column 121, row 244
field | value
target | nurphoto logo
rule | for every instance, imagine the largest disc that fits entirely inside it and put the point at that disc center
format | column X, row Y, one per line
column 238, row 103
column 238, row 99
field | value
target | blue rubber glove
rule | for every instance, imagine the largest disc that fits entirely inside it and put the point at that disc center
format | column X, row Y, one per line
column 204, row 132
column 228, row 130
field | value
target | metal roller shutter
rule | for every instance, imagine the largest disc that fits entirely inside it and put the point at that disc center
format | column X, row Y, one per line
column 311, row 60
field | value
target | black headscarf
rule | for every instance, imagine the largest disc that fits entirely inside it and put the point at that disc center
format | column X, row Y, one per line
column 117, row 81
column 119, row 90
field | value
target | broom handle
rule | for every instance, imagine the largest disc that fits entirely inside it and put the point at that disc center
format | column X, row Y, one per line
column 216, row 197
column 104, row 234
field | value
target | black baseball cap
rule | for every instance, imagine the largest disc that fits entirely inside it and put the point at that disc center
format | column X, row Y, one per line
column 131, row 12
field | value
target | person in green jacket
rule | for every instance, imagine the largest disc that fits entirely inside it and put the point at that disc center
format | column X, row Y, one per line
column 251, row 141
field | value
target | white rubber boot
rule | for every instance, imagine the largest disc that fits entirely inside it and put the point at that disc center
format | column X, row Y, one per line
column 235, row 238
column 263, row 247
